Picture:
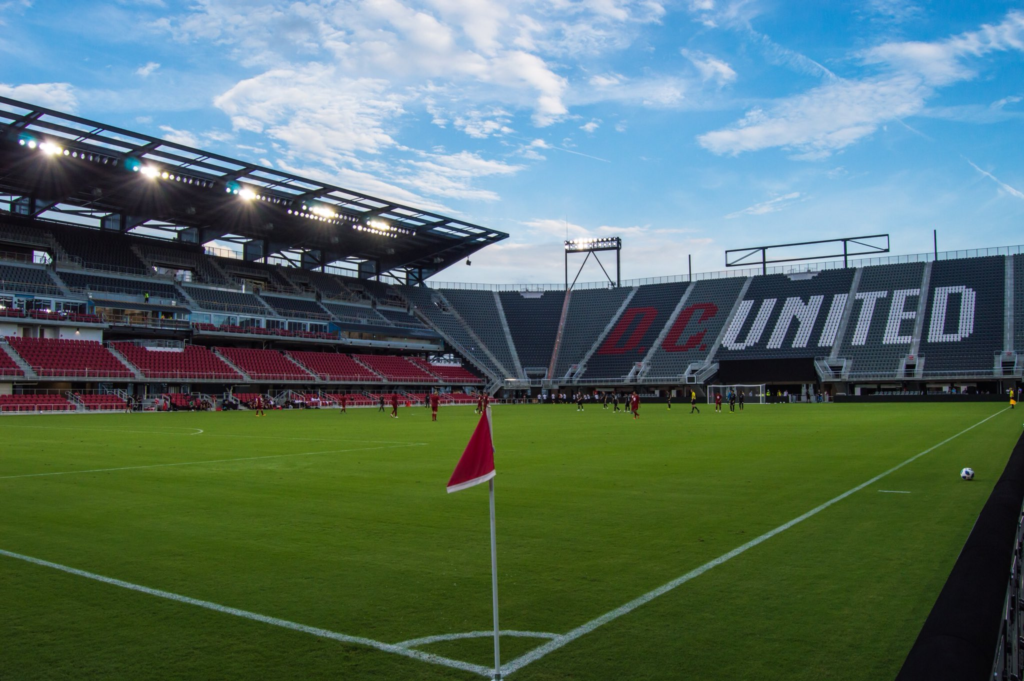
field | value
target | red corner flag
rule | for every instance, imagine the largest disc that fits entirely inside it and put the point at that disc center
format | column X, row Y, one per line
column 477, row 462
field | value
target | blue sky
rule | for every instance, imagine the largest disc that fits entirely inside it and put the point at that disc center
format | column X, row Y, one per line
column 685, row 127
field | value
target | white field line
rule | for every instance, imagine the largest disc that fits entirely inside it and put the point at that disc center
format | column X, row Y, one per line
column 231, row 435
column 197, row 463
column 593, row 624
column 256, row 617
column 427, row 640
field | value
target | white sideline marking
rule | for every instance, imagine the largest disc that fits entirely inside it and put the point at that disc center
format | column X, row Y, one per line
column 256, row 617
column 893, row 491
column 231, row 435
column 426, row 640
column 196, row 463
column 593, row 624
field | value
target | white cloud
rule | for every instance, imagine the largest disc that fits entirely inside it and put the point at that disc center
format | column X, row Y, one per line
column 711, row 68
column 828, row 118
column 481, row 124
column 51, row 95
column 315, row 111
column 179, row 136
column 453, row 175
column 1002, row 185
column 770, row 206
column 591, row 126
column 147, row 70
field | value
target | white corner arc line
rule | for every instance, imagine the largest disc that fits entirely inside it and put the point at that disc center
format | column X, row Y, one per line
column 196, row 463
column 629, row 607
column 265, row 619
column 427, row 640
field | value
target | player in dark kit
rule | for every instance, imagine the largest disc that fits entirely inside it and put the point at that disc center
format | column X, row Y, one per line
column 604, row 397
column 381, row 408
column 615, row 402
column 668, row 398
column 732, row 400
column 579, row 401
column 435, row 401
column 742, row 399
column 394, row 405
column 634, row 405
column 693, row 402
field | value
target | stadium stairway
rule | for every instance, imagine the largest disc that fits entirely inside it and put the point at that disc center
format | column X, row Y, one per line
column 669, row 323
column 559, row 335
column 124, row 360
column 476, row 338
column 248, row 379
column 368, row 367
column 508, row 336
column 604, row 334
column 6, row 348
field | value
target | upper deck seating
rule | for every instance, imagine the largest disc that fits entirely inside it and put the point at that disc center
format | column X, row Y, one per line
column 133, row 287
column 964, row 324
column 396, row 368
column 480, row 312
column 265, row 365
column 226, row 301
column 53, row 357
column 190, row 362
column 590, row 311
column 533, row 319
column 101, row 250
column 296, row 307
column 16, row 279
column 696, row 328
column 268, row 277
column 788, row 316
column 879, row 332
column 333, row 366
column 636, row 330
column 429, row 304
column 182, row 257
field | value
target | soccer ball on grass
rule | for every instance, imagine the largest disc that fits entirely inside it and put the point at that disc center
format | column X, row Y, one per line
column 967, row 474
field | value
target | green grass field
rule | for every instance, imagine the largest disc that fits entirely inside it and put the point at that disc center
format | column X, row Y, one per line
column 342, row 523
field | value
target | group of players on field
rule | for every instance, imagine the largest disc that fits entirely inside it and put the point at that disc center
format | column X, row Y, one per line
column 633, row 400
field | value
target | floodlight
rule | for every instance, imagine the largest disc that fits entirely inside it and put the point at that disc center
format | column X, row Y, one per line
column 50, row 149
column 149, row 171
column 247, row 194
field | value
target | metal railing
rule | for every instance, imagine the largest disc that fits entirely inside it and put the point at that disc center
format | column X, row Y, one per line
column 744, row 272
column 1009, row 658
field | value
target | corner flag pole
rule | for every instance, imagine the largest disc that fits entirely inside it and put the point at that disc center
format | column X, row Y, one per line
column 494, row 587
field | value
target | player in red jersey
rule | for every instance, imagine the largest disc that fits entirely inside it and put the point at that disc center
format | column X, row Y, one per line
column 344, row 403
column 718, row 402
column 634, row 405
column 435, row 402
column 394, row 405
column 258, row 402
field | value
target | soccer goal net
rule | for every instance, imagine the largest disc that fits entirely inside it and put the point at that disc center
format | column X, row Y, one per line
column 752, row 394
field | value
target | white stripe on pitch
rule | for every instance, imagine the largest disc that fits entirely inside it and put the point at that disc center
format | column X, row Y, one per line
column 427, row 640
column 196, row 463
column 593, row 624
column 256, row 617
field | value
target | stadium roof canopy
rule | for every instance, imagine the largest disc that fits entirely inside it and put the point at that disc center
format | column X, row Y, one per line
column 64, row 167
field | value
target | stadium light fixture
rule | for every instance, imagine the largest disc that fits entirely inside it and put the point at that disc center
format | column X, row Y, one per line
column 149, row 171
column 247, row 194
column 51, row 149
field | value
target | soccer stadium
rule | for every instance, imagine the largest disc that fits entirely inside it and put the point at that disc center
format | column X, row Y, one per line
column 231, row 395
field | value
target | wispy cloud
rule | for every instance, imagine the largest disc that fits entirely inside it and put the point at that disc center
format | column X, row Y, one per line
column 1002, row 185
column 147, row 70
column 830, row 117
column 770, row 206
column 53, row 95
column 711, row 68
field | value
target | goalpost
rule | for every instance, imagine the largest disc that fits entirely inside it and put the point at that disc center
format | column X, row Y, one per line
column 752, row 393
